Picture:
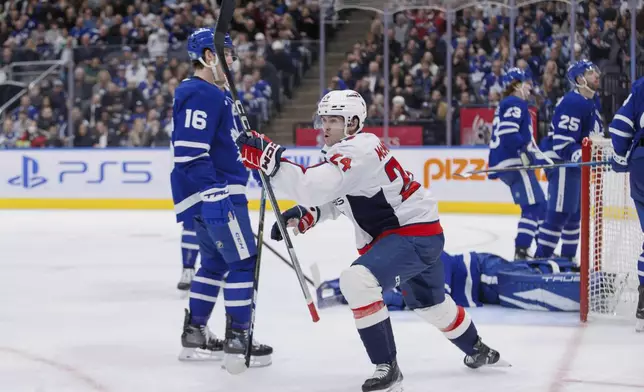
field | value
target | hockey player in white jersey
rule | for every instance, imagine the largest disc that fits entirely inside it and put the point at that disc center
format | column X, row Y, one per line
column 398, row 233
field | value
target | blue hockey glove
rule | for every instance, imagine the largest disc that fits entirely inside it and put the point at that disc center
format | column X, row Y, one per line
column 260, row 153
column 393, row 299
column 217, row 209
column 619, row 164
column 300, row 217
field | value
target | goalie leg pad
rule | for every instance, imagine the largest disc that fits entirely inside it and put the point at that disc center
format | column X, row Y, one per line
column 454, row 322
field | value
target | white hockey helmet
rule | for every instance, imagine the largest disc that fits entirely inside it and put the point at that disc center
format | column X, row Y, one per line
column 346, row 103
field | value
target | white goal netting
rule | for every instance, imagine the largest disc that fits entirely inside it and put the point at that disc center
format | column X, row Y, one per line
column 614, row 238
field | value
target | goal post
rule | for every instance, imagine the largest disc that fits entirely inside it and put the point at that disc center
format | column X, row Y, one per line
column 611, row 237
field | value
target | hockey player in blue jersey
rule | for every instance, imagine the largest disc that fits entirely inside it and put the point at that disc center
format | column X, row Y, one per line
column 189, row 244
column 576, row 117
column 511, row 145
column 627, row 134
column 208, row 187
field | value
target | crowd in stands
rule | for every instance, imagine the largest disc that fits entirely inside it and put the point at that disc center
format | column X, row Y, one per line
column 481, row 55
column 128, row 58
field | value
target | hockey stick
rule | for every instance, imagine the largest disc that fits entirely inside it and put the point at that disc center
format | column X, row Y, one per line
column 260, row 246
column 279, row 256
column 225, row 16
column 533, row 167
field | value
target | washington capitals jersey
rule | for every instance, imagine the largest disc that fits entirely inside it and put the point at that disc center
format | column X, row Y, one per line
column 204, row 149
column 361, row 179
column 626, row 129
column 512, row 132
column 575, row 118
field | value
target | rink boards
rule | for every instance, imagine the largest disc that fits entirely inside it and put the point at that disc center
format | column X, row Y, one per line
column 140, row 178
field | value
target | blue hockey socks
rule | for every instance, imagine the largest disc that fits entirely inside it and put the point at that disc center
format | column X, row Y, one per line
column 640, row 269
column 203, row 295
column 189, row 248
column 374, row 327
column 570, row 236
column 549, row 234
column 238, row 292
column 528, row 225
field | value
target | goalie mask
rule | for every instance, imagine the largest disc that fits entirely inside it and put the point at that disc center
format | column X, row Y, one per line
column 347, row 104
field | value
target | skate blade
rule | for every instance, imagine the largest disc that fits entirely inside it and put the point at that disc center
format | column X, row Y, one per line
column 197, row 354
column 255, row 362
column 639, row 325
column 397, row 387
column 501, row 363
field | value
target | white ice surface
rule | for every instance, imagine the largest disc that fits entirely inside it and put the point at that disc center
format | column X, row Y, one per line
column 87, row 303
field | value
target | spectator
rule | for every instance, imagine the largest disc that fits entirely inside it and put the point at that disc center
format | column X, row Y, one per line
column 83, row 138
column 9, row 136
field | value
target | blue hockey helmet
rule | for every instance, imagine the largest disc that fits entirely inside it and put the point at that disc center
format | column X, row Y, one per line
column 202, row 39
column 514, row 74
column 579, row 68
column 199, row 41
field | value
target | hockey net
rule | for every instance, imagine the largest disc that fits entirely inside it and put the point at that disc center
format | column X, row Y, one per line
column 611, row 237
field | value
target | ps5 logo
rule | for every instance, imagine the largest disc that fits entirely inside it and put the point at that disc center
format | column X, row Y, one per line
column 28, row 178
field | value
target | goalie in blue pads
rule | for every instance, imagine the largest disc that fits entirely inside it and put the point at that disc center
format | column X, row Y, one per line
column 576, row 116
column 473, row 279
column 512, row 145
column 208, row 188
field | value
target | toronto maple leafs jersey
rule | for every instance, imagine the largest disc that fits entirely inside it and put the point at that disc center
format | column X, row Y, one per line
column 475, row 278
column 511, row 133
column 575, row 118
column 627, row 128
column 203, row 143
column 361, row 179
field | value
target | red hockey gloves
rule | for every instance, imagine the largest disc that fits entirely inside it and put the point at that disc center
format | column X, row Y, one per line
column 217, row 209
column 300, row 217
column 260, row 153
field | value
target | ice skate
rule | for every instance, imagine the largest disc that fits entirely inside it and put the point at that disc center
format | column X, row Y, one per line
column 484, row 356
column 186, row 279
column 199, row 344
column 639, row 314
column 235, row 350
column 521, row 254
column 386, row 378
